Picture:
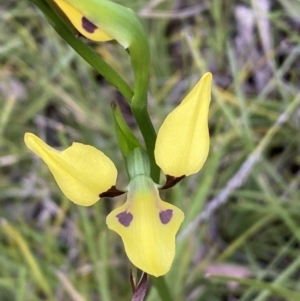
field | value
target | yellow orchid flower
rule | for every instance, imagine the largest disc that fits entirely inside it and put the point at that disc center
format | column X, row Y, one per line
column 146, row 224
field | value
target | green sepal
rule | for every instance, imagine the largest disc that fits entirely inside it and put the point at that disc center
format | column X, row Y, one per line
column 126, row 139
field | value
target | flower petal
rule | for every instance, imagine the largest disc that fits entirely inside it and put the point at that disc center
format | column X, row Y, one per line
column 81, row 171
column 82, row 23
column 147, row 226
column 182, row 143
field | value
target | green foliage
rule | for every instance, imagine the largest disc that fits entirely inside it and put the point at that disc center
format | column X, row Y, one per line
column 251, row 176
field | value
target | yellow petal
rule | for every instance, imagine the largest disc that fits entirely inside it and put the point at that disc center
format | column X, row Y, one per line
column 182, row 143
column 81, row 171
column 83, row 24
column 147, row 226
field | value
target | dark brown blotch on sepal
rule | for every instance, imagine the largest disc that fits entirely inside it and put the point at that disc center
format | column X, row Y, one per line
column 111, row 192
column 171, row 181
column 125, row 218
column 87, row 25
column 165, row 216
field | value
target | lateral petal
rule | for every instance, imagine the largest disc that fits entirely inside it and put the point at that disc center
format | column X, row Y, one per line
column 182, row 143
column 81, row 171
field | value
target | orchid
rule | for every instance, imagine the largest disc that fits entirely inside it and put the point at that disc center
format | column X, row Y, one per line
column 146, row 224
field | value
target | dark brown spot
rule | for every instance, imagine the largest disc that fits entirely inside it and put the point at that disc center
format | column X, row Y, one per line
column 111, row 192
column 166, row 216
column 171, row 181
column 88, row 25
column 125, row 218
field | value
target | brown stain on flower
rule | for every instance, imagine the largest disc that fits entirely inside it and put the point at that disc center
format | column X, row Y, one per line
column 111, row 192
column 125, row 218
column 171, row 181
column 165, row 216
column 88, row 25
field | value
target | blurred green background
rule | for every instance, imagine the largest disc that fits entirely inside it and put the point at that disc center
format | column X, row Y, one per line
column 242, row 210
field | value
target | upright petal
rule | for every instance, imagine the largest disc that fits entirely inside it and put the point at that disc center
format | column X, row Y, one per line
column 182, row 143
column 81, row 171
column 147, row 226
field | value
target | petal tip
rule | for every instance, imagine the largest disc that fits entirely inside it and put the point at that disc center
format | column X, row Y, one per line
column 207, row 75
column 31, row 141
column 27, row 137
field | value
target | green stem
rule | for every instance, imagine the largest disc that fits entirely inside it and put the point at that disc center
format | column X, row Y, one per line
column 162, row 288
column 146, row 127
column 140, row 60
column 84, row 51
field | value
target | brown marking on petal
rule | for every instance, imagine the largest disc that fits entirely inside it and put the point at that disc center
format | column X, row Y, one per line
column 125, row 218
column 171, row 181
column 165, row 216
column 88, row 25
column 111, row 192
